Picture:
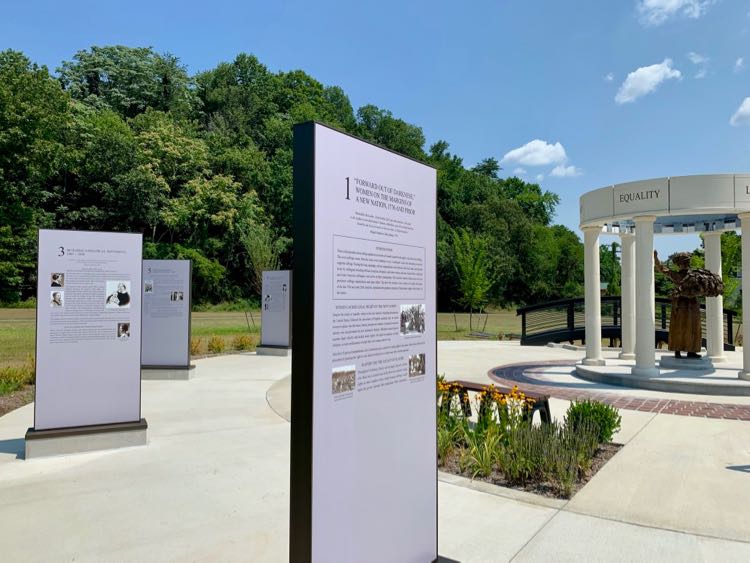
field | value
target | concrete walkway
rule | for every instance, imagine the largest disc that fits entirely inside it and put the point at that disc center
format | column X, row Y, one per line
column 212, row 485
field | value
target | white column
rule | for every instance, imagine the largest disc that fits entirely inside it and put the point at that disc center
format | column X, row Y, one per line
column 714, row 305
column 627, row 256
column 593, row 305
column 645, row 347
column 745, row 218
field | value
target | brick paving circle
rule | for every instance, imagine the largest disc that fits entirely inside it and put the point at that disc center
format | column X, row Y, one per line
column 530, row 376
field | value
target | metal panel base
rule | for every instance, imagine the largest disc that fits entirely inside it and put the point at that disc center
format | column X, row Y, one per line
column 152, row 373
column 65, row 441
column 273, row 351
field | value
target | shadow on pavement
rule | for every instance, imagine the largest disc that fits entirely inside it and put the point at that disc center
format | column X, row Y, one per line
column 16, row 447
column 740, row 468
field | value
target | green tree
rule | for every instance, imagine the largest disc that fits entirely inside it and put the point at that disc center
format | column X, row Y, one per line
column 35, row 119
column 262, row 253
column 488, row 167
column 128, row 80
column 171, row 148
column 237, row 98
column 381, row 127
column 539, row 205
column 610, row 270
column 471, row 267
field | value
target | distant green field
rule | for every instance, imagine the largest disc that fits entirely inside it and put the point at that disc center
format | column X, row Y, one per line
column 17, row 333
column 17, row 330
column 456, row 326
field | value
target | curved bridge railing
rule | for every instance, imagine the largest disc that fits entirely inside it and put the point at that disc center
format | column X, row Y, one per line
column 564, row 321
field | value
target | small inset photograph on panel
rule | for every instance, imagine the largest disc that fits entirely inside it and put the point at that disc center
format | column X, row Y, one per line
column 56, row 298
column 148, row 286
column 123, row 331
column 416, row 365
column 57, row 280
column 176, row 296
column 343, row 379
column 412, row 319
column 118, row 294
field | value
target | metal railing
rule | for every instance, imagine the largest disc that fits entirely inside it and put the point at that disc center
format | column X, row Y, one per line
column 564, row 321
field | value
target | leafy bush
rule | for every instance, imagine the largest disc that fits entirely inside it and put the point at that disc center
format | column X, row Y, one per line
column 216, row 345
column 250, row 306
column 196, row 345
column 29, row 303
column 605, row 418
column 243, row 342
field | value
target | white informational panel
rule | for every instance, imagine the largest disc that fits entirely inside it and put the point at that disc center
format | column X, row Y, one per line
column 88, row 323
column 364, row 477
column 276, row 310
column 166, row 313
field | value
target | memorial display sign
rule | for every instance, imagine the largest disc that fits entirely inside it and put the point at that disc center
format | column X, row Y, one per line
column 276, row 310
column 167, row 300
column 363, row 458
column 88, row 341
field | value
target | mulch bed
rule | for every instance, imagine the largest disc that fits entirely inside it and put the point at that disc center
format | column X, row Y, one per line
column 602, row 456
column 16, row 399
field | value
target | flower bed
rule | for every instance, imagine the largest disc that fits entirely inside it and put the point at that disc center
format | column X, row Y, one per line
column 501, row 446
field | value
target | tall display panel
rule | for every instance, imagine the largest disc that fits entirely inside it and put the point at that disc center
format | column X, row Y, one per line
column 276, row 314
column 363, row 452
column 167, row 302
column 88, row 342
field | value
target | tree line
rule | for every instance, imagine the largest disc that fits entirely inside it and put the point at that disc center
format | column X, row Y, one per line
column 124, row 139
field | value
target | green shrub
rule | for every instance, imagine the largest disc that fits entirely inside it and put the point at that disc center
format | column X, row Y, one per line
column 216, row 345
column 243, row 342
column 29, row 303
column 605, row 418
column 446, row 441
column 483, row 453
column 13, row 378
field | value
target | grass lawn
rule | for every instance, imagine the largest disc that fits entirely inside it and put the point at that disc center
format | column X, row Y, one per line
column 17, row 334
column 17, row 329
column 456, row 327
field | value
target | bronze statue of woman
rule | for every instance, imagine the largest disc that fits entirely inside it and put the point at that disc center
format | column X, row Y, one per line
column 685, row 318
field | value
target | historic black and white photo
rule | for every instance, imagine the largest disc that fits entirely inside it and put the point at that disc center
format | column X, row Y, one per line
column 412, row 319
column 123, row 331
column 343, row 379
column 118, row 294
column 56, row 298
column 416, row 365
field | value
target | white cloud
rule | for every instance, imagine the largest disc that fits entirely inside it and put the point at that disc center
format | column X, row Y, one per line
column 656, row 12
column 539, row 177
column 537, row 153
column 739, row 64
column 697, row 58
column 609, row 78
column 742, row 115
column 645, row 80
column 701, row 61
column 519, row 171
column 562, row 171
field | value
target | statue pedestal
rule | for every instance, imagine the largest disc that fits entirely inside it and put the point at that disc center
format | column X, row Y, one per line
column 670, row 362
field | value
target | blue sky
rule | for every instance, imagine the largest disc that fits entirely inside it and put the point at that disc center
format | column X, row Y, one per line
column 611, row 90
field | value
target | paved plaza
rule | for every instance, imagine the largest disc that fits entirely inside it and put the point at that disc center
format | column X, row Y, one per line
column 212, row 485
